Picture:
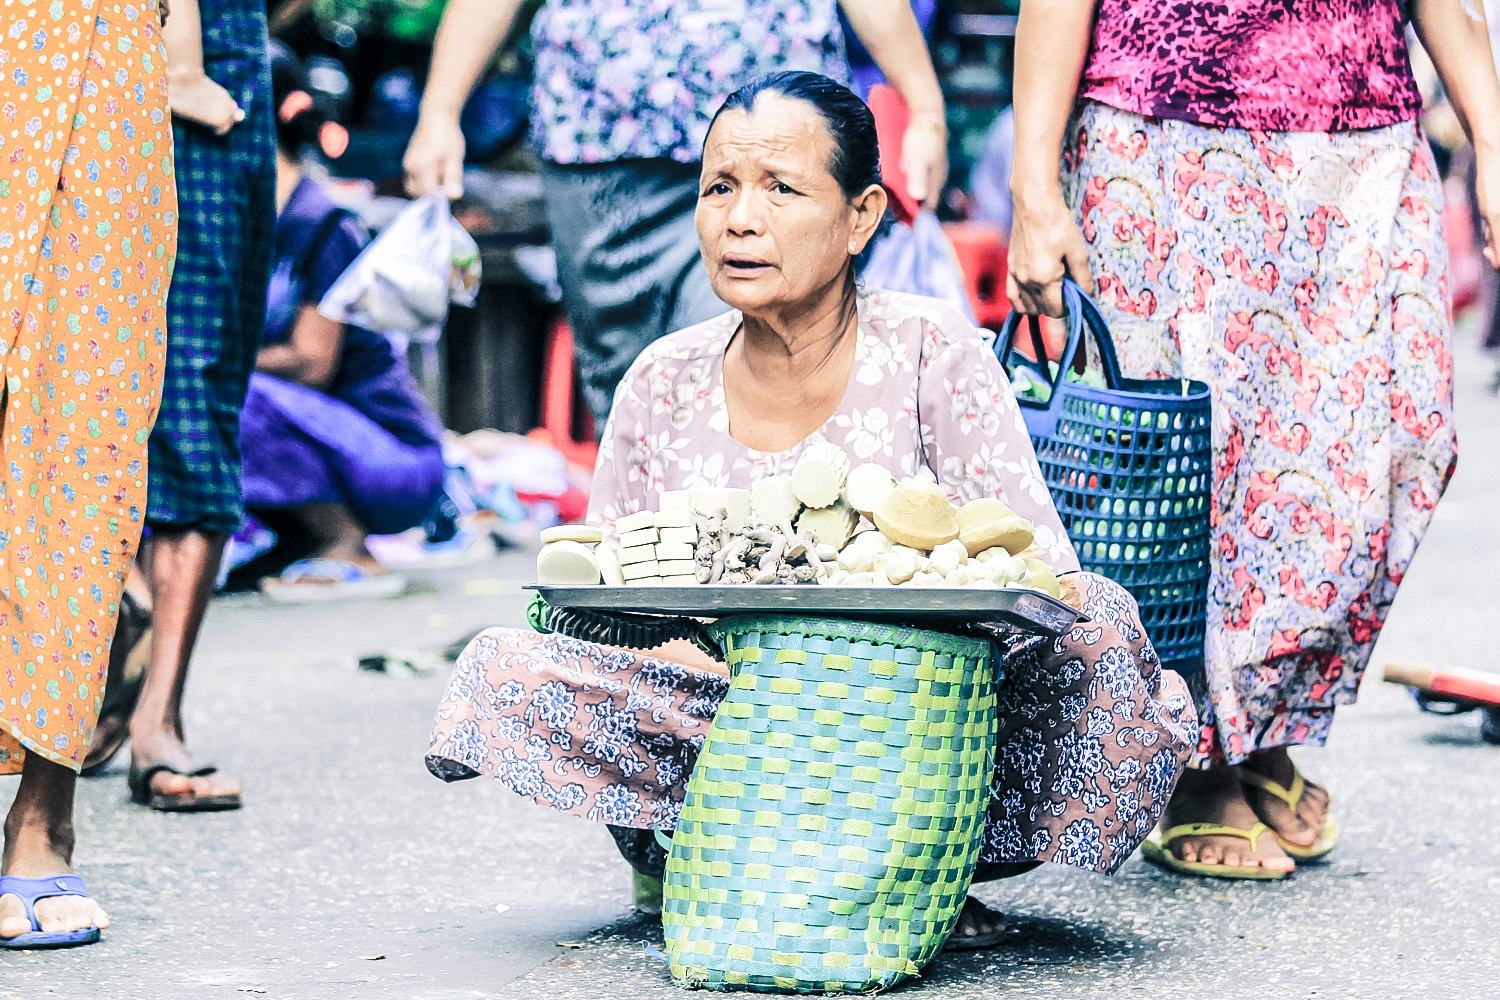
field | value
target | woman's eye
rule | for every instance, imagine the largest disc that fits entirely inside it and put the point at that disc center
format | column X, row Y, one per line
column 720, row 188
column 783, row 189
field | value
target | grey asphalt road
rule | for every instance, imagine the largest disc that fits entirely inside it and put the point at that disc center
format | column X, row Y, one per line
column 352, row 873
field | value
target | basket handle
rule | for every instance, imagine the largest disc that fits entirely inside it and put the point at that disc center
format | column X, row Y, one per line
column 1082, row 314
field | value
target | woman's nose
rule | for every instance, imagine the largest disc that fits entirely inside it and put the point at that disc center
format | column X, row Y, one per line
column 745, row 218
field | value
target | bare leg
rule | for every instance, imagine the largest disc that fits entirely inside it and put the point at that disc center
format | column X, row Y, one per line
column 1216, row 795
column 339, row 534
column 38, row 843
column 113, row 726
column 180, row 567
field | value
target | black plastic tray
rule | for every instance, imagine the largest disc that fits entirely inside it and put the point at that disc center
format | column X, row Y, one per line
column 929, row 607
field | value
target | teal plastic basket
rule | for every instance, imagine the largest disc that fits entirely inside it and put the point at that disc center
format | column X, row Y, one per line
column 1129, row 466
column 833, row 821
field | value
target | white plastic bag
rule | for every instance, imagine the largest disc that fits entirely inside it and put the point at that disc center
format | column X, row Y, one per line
column 918, row 259
column 404, row 280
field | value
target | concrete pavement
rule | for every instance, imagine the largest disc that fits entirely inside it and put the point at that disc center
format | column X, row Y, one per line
column 352, row 873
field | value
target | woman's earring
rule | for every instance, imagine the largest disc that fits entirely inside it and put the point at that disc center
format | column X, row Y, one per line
column 852, row 248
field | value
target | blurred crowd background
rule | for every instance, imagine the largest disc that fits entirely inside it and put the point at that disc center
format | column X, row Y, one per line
column 500, row 374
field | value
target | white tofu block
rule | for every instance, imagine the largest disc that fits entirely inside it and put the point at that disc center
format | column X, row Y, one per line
column 566, row 563
column 609, row 565
column 645, row 581
column 680, row 581
column 686, row 536
column 677, row 567
column 640, row 570
column 735, row 502
column 640, row 536
column 639, row 554
column 674, row 550
column 633, row 522
column 675, row 501
column 674, row 519
column 582, row 533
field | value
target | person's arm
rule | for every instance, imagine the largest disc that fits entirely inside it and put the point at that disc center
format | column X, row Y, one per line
column 310, row 354
column 1457, row 38
column 1052, row 42
column 890, row 32
column 470, row 32
column 191, row 94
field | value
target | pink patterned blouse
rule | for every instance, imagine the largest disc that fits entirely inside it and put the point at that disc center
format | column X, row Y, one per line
column 926, row 399
column 1278, row 65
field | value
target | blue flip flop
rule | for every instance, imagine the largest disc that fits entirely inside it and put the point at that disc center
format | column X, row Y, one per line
column 32, row 889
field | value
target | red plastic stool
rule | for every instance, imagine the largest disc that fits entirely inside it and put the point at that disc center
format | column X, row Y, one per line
column 559, row 395
column 981, row 256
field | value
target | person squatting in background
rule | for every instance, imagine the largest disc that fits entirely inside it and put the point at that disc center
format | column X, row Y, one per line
column 620, row 161
column 88, row 210
column 338, row 441
column 1275, row 233
column 225, row 142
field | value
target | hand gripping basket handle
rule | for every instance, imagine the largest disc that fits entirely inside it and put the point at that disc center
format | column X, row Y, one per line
column 1082, row 313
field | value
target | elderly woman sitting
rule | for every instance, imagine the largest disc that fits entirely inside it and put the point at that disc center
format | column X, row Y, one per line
column 1093, row 733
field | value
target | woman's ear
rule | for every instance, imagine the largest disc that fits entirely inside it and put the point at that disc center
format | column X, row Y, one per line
column 869, row 208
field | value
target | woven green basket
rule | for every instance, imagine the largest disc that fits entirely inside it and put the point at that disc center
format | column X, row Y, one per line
column 832, row 823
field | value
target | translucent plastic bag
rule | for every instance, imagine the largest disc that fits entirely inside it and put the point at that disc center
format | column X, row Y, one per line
column 918, row 259
column 404, row 280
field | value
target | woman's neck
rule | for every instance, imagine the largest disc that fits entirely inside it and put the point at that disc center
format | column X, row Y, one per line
column 785, row 375
column 288, row 176
column 799, row 344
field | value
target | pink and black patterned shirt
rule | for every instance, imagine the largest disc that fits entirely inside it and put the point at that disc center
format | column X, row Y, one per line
column 1278, row 65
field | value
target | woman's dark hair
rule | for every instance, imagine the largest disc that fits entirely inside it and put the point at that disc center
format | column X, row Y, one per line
column 302, row 119
column 856, row 149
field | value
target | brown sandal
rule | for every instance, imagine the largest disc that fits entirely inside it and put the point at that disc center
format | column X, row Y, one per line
column 142, row 792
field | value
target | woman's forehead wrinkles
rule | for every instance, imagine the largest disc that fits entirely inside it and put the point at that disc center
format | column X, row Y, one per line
column 786, row 136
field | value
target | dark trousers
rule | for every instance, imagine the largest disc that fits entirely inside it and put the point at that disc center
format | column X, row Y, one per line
column 627, row 260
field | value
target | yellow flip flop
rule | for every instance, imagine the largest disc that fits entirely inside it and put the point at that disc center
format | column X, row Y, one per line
column 1156, row 850
column 1291, row 796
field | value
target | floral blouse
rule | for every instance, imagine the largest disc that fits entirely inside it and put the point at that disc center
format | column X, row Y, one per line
column 926, row 399
column 1287, row 66
column 614, row 79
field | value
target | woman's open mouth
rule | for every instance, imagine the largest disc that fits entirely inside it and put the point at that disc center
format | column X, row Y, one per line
column 741, row 265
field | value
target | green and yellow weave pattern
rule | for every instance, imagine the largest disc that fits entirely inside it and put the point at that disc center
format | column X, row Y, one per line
column 832, row 823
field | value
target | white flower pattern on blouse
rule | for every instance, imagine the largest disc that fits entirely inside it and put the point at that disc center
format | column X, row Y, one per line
column 615, row 79
column 926, row 399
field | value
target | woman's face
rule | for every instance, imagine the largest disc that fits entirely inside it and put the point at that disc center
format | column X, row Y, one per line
column 774, row 226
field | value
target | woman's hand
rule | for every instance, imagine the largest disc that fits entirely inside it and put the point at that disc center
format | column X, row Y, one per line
column 924, row 160
column 192, row 95
column 470, row 32
column 435, row 157
column 1045, row 246
column 1487, row 192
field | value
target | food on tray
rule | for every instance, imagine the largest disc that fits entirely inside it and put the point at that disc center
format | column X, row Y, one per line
column 819, row 475
column 639, row 571
column 917, row 513
column 867, row 486
column 807, row 528
column 566, row 563
column 735, row 504
column 609, row 566
column 772, row 499
column 831, row 525
column 588, row 534
column 641, row 536
column 986, row 523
